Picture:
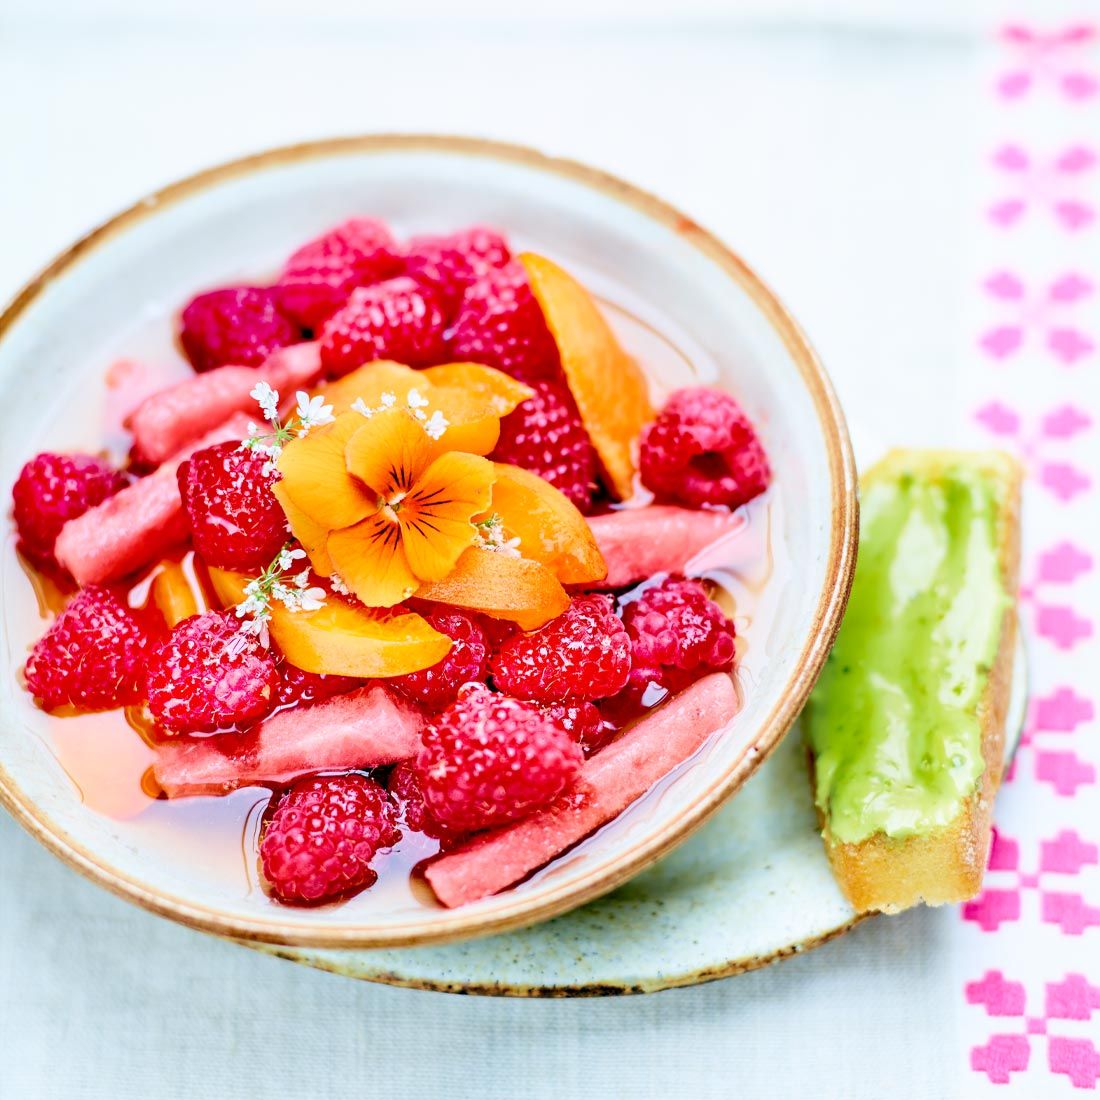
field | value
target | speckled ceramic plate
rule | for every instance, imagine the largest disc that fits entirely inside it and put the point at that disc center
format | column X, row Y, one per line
column 751, row 887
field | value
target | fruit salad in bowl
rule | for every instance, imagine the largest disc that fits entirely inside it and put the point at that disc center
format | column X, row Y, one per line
column 395, row 575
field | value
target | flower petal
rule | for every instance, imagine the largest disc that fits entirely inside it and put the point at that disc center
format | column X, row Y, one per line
column 311, row 534
column 504, row 587
column 372, row 563
column 388, row 452
column 369, row 382
column 435, row 516
column 315, row 477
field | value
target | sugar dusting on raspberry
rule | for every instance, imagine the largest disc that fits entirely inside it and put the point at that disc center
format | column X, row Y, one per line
column 501, row 325
column 489, row 759
column 583, row 654
column 201, row 679
column 236, row 521
column 397, row 319
column 239, row 325
column 677, row 634
column 54, row 488
column 93, row 656
column 322, row 835
column 545, row 435
column 319, row 276
column 449, row 263
column 702, row 449
column 466, row 661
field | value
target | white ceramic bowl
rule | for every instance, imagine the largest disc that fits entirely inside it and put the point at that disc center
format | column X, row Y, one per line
column 111, row 294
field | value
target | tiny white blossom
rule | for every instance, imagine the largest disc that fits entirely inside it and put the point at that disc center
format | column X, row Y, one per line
column 360, row 406
column 288, row 557
column 268, row 400
column 420, row 414
column 338, row 584
column 436, row 424
column 312, row 412
column 416, row 400
column 389, row 400
column 491, row 537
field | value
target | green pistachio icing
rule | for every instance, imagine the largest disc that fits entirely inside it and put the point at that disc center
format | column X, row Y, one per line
column 892, row 722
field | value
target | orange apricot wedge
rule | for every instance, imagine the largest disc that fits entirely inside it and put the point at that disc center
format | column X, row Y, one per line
column 607, row 384
column 471, row 397
column 501, row 586
column 342, row 640
column 172, row 593
column 546, row 522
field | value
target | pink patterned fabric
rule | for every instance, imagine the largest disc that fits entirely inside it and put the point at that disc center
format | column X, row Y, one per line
column 1032, row 939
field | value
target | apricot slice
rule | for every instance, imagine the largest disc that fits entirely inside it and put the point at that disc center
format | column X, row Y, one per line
column 609, row 388
column 501, row 586
column 471, row 397
column 546, row 522
column 172, row 593
column 342, row 640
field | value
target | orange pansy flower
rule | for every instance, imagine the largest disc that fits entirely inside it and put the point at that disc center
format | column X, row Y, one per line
column 396, row 504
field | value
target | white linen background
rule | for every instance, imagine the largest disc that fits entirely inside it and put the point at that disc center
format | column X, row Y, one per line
column 831, row 145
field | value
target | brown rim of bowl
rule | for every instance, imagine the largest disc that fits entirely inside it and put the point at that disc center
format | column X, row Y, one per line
column 531, row 908
column 521, row 991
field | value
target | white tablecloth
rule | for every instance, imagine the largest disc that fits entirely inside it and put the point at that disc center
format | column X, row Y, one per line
column 837, row 157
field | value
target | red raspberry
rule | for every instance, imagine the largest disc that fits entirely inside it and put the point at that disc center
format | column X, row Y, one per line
column 93, row 656
column 396, row 320
column 200, row 683
column 404, row 788
column 488, row 759
column 545, row 435
column 501, row 325
column 467, row 660
column 53, row 489
column 448, row 264
column 321, row 836
column 702, row 449
column 296, row 687
column 241, row 325
column 584, row 723
column 235, row 519
column 677, row 634
column 319, row 277
column 582, row 654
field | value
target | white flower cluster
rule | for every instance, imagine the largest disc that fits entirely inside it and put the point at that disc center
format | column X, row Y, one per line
column 435, row 424
column 490, row 533
column 311, row 412
column 274, row 583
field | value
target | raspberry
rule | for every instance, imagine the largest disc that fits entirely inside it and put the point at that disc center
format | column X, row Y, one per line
column 677, row 633
column 488, row 759
column 702, row 449
column 546, row 436
column 319, row 277
column 241, row 325
column 404, row 788
column 296, row 687
column 584, row 723
column 53, row 489
column 467, row 660
column 235, row 519
column 321, row 836
column 93, row 656
column 448, row 264
column 501, row 325
column 396, row 320
column 582, row 654
column 198, row 682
